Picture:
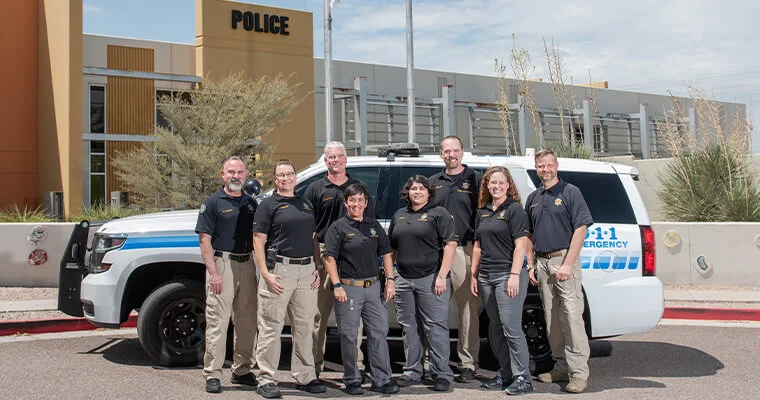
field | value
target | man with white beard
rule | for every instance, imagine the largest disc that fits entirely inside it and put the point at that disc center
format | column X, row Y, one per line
column 225, row 223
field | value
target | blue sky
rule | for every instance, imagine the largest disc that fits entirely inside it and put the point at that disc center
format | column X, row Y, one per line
column 645, row 45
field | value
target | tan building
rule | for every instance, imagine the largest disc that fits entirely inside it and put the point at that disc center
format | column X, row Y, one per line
column 66, row 113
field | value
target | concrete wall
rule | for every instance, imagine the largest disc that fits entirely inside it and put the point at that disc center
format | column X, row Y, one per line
column 649, row 185
column 730, row 251
column 15, row 269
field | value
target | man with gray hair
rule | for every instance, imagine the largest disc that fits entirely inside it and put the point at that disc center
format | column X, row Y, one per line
column 225, row 222
column 327, row 195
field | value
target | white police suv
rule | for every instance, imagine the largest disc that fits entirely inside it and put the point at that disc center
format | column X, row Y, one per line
column 152, row 263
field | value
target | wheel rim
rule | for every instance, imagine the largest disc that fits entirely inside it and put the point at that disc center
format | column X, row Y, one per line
column 534, row 326
column 182, row 326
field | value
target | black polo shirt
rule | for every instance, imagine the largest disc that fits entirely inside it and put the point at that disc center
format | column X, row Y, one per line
column 228, row 220
column 419, row 237
column 497, row 231
column 288, row 223
column 554, row 214
column 356, row 247
column 327, row 199
column 459, row 194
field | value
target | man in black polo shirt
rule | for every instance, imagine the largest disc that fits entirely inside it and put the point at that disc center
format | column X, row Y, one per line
column 224, row 227
column 456, row 189
column 327, row 197
column 559, row 218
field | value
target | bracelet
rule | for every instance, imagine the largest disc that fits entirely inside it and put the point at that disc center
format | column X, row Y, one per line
column 442, row 277
column 390, row 278
column 514, row 273
column 337, row 285
column 531, row 267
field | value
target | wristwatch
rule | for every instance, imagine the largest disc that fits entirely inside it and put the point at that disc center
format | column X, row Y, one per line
column 390, row 278
column 337, row 285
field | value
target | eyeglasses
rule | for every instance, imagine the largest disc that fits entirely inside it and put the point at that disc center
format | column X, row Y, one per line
column 286, row 175
column 336, row 157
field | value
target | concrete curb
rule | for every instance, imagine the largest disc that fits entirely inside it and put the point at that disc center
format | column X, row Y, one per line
column 20, row 327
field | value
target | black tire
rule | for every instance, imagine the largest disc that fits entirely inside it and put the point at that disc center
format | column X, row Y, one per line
column 534, row 326
column 171, row 324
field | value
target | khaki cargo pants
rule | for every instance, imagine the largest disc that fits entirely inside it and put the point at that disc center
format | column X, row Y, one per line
column 563, row 309
column 299, row 301
column 238, row 301
column 468, row 305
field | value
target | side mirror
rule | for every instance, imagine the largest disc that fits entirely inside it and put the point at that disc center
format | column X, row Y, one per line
column 252, row 187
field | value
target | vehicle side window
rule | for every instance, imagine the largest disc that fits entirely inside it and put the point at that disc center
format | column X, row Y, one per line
column 604, row 193
column 301, row 187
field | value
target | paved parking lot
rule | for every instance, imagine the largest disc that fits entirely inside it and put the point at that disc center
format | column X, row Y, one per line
column 674, row 362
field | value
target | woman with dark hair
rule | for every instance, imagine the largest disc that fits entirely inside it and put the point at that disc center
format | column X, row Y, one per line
column 422, row 237
column 352, row 245
column 285, row 248
column 499, row 278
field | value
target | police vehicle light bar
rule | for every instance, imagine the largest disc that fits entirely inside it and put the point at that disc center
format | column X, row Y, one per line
column 399, row 149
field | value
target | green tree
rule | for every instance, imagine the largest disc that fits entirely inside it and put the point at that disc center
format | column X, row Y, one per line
column 226, row 117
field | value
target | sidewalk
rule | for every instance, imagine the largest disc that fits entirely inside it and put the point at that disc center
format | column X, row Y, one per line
column 34, row 310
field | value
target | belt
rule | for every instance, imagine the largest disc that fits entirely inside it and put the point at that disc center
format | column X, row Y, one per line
column 360, row 282
column 297, row 261
column 550, row 255
column 232, row 256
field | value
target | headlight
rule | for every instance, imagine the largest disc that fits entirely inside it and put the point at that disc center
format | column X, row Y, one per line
column 102, row 243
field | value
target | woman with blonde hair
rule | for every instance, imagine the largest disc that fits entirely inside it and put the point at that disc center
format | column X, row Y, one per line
column 499, row 277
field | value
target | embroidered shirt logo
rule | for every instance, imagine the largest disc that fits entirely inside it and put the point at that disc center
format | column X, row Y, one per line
column 372, row 232
column 423, row 217
column 558, row 202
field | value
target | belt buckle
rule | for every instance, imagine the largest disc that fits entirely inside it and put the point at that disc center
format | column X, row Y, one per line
column 367, row 283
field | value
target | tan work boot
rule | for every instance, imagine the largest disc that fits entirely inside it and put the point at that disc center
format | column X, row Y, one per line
column 553, row 376
column 577, row 385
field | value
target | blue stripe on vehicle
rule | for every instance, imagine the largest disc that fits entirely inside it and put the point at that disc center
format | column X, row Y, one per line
column 154, row 242
column 585, row 262
column 633, row 262
column 619, row 262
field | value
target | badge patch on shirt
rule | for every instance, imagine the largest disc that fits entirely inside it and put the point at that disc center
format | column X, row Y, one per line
column 501, row 214
column 372, row 232
column 438, row 187
column 283, row 207
column 350, row 234
column 423, row 217
column 558, row 202
column 203, row 208
column 466, row 185
column 327, row 199
column 227, row 210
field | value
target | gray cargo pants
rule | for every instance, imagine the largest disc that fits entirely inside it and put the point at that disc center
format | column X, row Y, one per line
column 505, row 329
column 423, row 314
column 368, row 305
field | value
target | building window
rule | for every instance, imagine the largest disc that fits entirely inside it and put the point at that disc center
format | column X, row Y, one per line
column 97, row 173
column 173, row 94
column 97, row 109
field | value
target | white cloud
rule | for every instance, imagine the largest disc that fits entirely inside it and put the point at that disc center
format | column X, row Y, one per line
column 92, row 9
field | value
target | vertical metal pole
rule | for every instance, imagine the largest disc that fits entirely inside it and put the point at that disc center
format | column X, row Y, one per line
column 692, row 123
column 410, row 71
column 588, row 126
column 522, row 127
column 447, row 116
column 644, row 131
column 360, row 112
column 328, row 74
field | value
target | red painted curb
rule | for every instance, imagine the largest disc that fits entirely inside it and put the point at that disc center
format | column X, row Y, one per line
column 712, row 314
column 18, row 327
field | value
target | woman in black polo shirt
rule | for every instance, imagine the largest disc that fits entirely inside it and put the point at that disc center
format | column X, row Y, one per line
column 352, row 245
column 285, row 246
column 422, row 236
column 501, row 239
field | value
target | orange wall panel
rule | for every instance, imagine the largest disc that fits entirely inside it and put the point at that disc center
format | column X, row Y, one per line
column 18, row 103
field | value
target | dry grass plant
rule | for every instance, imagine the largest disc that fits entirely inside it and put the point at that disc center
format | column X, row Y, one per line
column 14, row 213
column 231, row 116
column 710, row 176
